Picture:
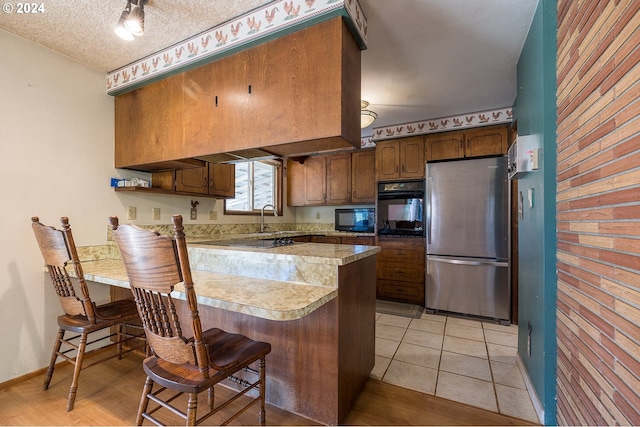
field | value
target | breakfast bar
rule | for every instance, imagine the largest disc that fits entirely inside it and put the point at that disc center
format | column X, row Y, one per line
column 314, row 303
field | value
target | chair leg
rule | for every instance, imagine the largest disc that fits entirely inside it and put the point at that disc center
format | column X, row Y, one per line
column 119, row 340
column 144, row 400
column 54, row 357
column 192, row 407
column 211, row 398
column 262, row 391
column 82, row 345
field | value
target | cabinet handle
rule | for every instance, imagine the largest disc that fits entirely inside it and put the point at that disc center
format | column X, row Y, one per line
column 249, row 89
column 216, row 100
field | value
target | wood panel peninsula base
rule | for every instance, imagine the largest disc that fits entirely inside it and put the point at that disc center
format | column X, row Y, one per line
column 314, row 303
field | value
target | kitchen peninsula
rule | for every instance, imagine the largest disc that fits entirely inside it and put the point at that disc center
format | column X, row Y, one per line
column 314, row 303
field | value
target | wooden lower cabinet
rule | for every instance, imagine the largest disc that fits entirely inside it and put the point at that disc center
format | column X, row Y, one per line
column 326, row 239
column 400, row 269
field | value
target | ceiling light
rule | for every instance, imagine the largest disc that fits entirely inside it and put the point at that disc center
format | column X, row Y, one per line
column 366, row 116
column 135, row 20
column 120, row 28
column 131, row 22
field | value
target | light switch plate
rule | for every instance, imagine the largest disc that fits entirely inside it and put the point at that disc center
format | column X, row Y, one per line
column 194, row 214
column 530, row 197
column 155, row 213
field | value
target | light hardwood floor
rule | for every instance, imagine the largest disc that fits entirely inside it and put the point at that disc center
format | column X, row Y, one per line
column 109, row 393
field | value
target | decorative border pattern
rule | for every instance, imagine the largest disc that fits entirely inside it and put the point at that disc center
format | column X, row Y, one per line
column 443, row 124
column 264, row 21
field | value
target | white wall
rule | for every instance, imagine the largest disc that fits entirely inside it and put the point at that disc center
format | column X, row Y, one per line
column 56, row 146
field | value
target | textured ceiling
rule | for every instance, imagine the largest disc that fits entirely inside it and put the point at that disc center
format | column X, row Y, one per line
column 425, row 58
column 83, row 29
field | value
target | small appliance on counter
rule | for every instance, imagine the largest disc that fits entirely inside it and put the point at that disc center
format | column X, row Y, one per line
column 359, row 220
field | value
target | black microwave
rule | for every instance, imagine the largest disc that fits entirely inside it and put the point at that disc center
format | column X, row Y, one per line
column 359, row 220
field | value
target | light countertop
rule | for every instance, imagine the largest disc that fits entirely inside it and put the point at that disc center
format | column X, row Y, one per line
column 281, row 283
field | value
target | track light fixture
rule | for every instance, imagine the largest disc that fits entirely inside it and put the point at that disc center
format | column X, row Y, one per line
column 131, row 22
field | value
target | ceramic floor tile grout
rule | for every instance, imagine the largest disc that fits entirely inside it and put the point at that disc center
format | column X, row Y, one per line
column 441, row 349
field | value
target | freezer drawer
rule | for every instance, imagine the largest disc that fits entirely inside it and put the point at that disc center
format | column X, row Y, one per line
column 473, row 286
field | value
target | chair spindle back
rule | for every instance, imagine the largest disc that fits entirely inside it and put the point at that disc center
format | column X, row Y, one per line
column 155, row 264
column 59, row 250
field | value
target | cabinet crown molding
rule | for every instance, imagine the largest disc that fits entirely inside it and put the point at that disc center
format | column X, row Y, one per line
column 443, row 124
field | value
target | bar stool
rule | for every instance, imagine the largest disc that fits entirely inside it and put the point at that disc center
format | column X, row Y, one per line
column 82, row 316
column 180, row 365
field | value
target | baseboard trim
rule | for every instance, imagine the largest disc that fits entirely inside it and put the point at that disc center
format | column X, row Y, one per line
column 537, row 405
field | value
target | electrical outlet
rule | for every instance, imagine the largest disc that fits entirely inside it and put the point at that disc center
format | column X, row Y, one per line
column 194, row 214
column 131, row 213
column 317, row 215
column 213, row 215
column 155, row 213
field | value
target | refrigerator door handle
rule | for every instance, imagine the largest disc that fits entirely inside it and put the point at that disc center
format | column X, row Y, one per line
column 467, row 262
column 428, row 199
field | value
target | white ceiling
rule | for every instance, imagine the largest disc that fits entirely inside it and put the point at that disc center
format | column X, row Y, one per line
column 425, row 59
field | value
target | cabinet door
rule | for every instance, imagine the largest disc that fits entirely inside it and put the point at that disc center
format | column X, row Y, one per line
column 338, row 179
column 387, row 160
column 315, row 174
column 486, row 141
column 400, row 270
column 363, row 176
column 222, row 180
column 195, row 180
column 368, row 241
column 201, row 96
column 326, row 239
column 295, row 183
column 412, row 158
column 148, row 124
column 447, row 145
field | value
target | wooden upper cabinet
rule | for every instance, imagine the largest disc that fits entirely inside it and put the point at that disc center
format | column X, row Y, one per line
column 400, row 158
column 222, row 180
column 335, row 179
column 195, row 180
column 486, row 141
column 213, row 179
column 363, row 176
column 338, row 179
column 299, row 93
column 448, row 145
column 478, row 142
column 315, row 182
column 148, row 126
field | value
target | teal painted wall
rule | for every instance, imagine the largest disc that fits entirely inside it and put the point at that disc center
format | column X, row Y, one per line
column 535, row 113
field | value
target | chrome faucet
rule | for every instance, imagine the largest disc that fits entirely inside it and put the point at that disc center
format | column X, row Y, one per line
column 275, row 213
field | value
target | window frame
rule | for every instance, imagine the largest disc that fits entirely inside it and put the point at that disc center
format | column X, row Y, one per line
column 278, row 187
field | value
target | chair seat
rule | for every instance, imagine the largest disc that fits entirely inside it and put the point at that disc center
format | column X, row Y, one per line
column 228, row 353
column 109, row 314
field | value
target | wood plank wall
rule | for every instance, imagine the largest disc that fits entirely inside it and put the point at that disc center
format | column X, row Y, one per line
column 598, row 211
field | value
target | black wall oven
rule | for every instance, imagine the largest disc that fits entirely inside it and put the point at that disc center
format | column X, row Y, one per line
column 401, row 208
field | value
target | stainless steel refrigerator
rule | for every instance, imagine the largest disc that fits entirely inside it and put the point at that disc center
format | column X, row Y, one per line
column 467, row 238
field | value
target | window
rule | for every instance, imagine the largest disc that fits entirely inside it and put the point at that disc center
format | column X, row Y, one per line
column 258, row 183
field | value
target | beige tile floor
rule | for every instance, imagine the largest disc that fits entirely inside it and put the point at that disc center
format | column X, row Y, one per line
column 460, row 359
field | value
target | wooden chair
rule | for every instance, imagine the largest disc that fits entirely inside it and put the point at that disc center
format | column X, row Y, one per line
column 82, row 316
column 183, row 365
